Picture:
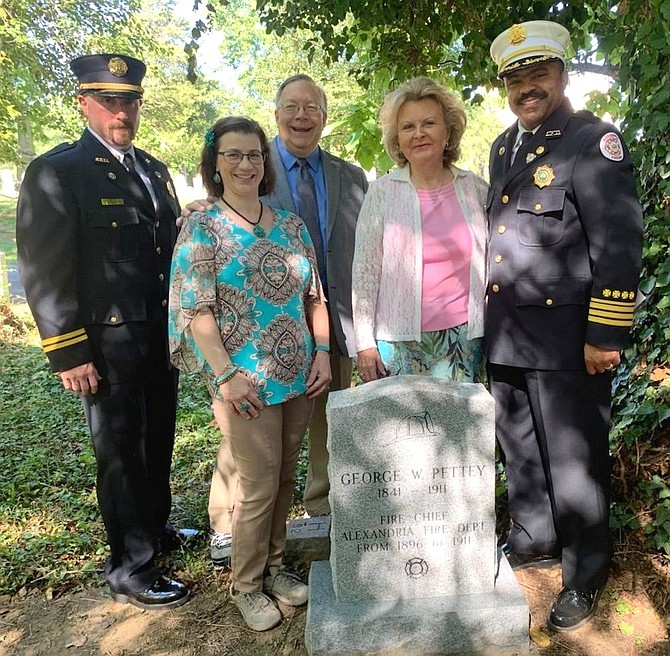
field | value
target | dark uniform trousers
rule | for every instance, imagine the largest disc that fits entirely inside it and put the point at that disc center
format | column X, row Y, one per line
column 565, row 232
column 552, row 427
column 94, row 256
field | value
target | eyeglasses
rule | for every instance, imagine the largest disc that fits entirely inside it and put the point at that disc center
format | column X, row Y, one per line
column 294, row 108
column 235, row 156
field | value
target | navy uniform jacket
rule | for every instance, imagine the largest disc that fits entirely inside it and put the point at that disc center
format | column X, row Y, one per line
column 346, row 185
column 565, row 242
column 94, row 258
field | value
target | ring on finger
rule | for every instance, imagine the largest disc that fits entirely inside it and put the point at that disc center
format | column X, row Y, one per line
column 609, row 367
column 244, row 407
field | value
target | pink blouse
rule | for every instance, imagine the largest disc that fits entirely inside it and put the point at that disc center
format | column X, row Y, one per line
column 447, row 249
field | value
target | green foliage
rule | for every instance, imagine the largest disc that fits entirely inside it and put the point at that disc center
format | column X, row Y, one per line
column 7, row 230
column 36, row 38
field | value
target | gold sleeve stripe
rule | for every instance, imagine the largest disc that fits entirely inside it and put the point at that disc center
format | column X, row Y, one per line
column 64, row 337
column 612, row 305
column 610, row 322
column 612, row 315
column 70, row 342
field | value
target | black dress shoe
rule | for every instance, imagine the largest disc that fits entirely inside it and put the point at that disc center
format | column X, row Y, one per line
column 164, row 593
column 573, row 608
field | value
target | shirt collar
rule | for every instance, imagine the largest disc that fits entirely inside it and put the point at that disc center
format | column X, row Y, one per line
column 118, row 154
column 289, row 159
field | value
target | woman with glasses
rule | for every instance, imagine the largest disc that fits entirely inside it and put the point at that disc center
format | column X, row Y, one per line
column 247, row 310
column 418, row 270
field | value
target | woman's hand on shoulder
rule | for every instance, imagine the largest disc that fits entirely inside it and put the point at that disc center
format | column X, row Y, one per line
column 240, row 393
column 200, row 205
column 370, row 365
column 320, row 376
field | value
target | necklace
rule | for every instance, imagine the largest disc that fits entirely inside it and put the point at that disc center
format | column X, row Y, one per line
column 258, row 231
column 434, row 194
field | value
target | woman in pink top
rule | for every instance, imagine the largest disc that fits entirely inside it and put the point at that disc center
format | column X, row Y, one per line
column 418, row 272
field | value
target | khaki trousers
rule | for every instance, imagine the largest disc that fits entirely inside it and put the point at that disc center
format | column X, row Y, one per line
column 224, row 478
column 265, row 452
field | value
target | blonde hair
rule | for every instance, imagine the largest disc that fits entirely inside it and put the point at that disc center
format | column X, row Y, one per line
column 422, row 88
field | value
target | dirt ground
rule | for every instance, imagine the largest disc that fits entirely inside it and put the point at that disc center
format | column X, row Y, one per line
column 88, row 623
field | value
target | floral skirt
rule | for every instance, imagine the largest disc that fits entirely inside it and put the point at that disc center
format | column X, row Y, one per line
column 444, row 353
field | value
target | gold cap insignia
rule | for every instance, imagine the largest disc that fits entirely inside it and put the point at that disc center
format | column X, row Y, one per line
column 543, row 176
column 517, row 34
column 117, row 66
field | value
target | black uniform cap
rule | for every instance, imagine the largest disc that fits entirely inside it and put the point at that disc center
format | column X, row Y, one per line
column 109, row 75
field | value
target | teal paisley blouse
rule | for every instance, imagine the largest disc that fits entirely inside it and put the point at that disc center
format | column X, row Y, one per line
column 257, row 289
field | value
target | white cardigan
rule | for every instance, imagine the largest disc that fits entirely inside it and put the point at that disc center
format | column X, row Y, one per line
column 388, row 258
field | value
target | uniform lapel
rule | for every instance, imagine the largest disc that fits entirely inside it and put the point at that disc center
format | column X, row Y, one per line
column 114, row 172
column 541, row 143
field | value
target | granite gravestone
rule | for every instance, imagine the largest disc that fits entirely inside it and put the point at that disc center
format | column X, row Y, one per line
column 413, row 565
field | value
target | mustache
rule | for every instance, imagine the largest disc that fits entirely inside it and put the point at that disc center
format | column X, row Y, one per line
column 538, row 95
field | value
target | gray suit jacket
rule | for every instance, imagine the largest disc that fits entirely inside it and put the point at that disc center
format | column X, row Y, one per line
column 346, row 185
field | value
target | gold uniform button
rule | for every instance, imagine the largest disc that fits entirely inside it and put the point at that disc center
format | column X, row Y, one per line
column 115, row 224
column 164, row 303
column 538, row 206
column 549, row 301
column 495, row 288
column 161, row 277
column 158, row 249
column 498, row 258
column 505, row 199
column 113, row 319
column 501, row 229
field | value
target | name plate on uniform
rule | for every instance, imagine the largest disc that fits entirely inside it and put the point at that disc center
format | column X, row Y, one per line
column 112, row 201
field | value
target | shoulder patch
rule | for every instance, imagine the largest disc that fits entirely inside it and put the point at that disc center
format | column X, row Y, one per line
column 611, row 147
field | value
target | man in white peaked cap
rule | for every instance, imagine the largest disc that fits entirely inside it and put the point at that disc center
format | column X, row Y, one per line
column 564, row 261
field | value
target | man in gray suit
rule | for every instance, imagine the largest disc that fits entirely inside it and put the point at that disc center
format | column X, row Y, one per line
column 301, row 110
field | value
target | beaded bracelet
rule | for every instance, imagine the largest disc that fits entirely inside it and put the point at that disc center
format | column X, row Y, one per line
column 224, row 377
column 322, row 347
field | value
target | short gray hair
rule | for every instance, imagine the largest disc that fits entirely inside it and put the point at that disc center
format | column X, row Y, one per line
column 302, row 77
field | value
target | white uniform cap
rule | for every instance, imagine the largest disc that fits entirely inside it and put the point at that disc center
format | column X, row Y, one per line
column 526, row 44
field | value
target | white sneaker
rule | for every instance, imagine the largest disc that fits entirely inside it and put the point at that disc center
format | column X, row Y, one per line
column 258, row 610
column 220, row 549
column 286, row 587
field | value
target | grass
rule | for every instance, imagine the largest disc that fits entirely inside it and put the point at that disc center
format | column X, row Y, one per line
column 7, row 228
column 51, row 534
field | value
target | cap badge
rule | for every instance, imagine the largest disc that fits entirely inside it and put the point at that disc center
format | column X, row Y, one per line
column 611, row 147
column 117, row 66
column 517, row 34
column 543, row 176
